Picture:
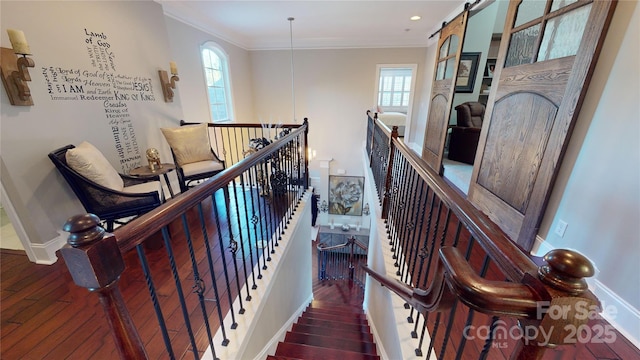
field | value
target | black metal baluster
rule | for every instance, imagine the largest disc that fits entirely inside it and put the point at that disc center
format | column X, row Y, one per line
column 489, row 340
column 246, row 215
column 409, row 221
column 269, row 214
column 224, row 261
column 423, row 254
column 420, row 214
column 176, row 278
column 212, row 273
column 433, row 246
column 399, row 214
column 154, row 300
column 241, row 242
column 397, row 208
column 255, row 219
column 198, row 287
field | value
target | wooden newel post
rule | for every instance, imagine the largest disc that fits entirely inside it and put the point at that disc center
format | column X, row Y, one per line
column 95, row 262
column 560, row 320
column 389, row 179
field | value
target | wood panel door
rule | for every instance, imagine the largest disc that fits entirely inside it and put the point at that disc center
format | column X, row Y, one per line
column 546, row 59
column 449, row 50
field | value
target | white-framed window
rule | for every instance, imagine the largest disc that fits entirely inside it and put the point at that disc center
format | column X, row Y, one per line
column 215, row 63
column 395, row 87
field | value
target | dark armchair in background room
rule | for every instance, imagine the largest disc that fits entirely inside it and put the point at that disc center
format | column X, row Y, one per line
column 463, row 142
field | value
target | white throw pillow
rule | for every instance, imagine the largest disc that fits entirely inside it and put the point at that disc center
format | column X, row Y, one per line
column 189, row 143
column 90, row 163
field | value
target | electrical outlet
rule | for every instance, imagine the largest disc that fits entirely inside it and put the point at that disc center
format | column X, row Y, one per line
column 561, row 228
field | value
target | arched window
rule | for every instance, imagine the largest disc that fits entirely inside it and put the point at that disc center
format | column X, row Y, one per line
column 216, row 70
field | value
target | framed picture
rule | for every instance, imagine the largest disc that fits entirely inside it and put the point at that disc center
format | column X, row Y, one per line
column 345, row 195
column 467, row 71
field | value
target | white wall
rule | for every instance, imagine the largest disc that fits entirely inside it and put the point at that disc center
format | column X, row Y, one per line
column 58, row 34
column 185, row 44
column 598, row 188
column 334, row 88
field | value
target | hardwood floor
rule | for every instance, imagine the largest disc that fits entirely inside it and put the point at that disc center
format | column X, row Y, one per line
column 45, row 316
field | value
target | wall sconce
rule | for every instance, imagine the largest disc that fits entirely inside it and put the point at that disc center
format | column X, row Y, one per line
column 169, row 84
column 324, row 207
column 366, row 210
column 15, row 72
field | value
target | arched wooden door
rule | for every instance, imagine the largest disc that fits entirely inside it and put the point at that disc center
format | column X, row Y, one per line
column 546, row 58
column 449, row 50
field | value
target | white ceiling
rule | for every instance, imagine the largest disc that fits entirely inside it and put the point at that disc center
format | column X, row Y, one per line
column 256, row 25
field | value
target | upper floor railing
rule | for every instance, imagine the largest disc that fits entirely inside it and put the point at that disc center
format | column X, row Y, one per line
column 464, row 281
column 217, row 240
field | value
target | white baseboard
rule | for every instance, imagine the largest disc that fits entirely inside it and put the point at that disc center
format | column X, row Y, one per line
column 45, row 254
column 627, row 318
column 541, row 247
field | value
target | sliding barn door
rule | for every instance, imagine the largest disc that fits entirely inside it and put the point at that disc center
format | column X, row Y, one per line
column 546, row 59
column 449, row 50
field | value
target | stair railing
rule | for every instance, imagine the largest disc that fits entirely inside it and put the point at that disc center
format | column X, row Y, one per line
column 230, row 139
column 216, row 245
column 340, row 262
column 453, row 263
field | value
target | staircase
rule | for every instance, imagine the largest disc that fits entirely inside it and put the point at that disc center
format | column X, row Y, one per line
column 328, row 330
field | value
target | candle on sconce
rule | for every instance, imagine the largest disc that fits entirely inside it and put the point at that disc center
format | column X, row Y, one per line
column 18, row 42
column 173, row 67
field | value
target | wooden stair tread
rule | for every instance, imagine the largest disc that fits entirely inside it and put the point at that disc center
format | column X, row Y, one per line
column 326, row 308
column 328, row 312
column 336, row 307
column 308, row 352
column 316, row 330
column 328, row 341
column 337, row 318
column 333, row 325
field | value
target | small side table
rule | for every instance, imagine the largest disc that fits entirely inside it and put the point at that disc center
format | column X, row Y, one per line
column 145, row 172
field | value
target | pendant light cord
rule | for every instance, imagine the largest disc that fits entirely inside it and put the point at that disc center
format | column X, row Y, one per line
column 293, row 86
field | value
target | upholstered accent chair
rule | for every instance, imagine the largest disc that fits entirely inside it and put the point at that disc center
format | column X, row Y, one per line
column 101, row 189
column 192, row 153
column 463, row 141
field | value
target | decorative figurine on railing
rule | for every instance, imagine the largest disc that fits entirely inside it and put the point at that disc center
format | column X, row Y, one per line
column 153, row 157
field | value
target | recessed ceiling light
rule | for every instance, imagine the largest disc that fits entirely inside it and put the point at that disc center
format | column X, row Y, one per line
column 415, row 18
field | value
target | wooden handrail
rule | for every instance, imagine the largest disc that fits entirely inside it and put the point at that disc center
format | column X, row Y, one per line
column 153, row 221
column 454, row 279
column 341, row 246
column 245, row 125
column 511, row 259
